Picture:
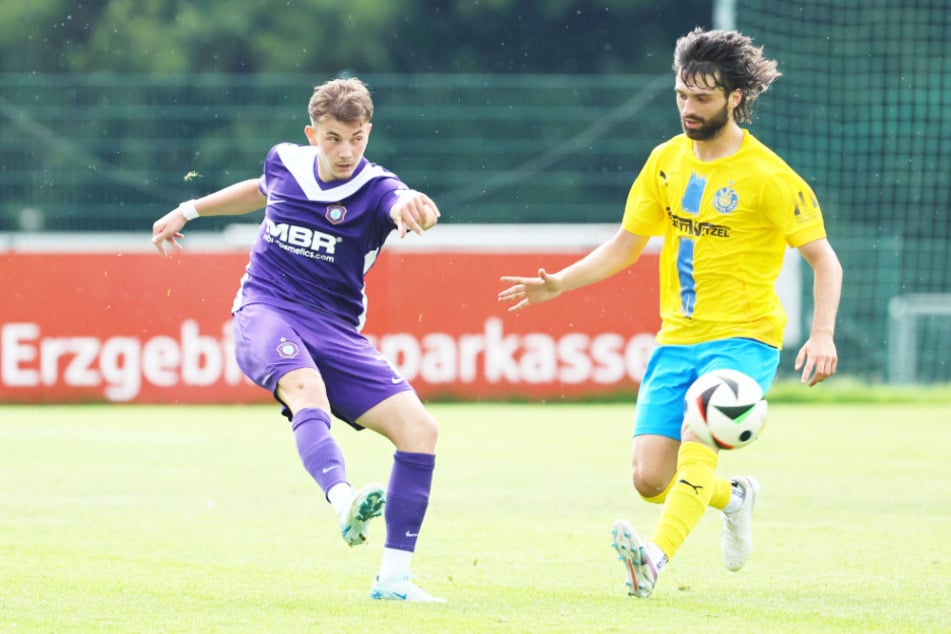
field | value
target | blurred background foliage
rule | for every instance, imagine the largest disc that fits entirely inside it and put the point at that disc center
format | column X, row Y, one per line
column 328, row 36
column 505, row 110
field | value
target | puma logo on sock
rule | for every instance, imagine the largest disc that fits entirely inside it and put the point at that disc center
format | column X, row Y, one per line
column 696, row 489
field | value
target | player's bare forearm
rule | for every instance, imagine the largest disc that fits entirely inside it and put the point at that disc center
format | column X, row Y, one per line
column 234, row 200
column 615, row 255
column 610, row 258
column 239, row 198
column 827, row 290
column 818, row 358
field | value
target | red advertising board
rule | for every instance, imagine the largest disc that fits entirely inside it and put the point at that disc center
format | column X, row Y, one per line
column 132, row 327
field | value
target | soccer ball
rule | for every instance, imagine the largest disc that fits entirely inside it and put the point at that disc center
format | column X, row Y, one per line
column 725, row 409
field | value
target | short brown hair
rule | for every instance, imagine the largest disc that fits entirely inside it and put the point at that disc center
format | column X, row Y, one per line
column 346, row 100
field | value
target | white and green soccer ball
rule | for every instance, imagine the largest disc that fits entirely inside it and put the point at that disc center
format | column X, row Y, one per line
column 725, row 409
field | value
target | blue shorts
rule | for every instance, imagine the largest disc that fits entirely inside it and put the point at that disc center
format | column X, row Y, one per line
column 269, row 342
column 672, row 369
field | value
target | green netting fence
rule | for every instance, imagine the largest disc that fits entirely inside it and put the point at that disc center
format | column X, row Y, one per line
column 863, row 111
column 109, row 152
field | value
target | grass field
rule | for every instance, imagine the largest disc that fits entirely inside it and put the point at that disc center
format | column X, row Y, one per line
column 200, row 519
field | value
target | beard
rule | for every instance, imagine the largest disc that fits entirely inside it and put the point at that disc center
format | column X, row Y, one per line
column 709, row 128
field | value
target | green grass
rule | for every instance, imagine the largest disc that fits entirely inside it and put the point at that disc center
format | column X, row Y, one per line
column 200, row 519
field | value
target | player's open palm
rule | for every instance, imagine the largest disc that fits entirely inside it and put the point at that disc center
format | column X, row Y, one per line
column 526, row 291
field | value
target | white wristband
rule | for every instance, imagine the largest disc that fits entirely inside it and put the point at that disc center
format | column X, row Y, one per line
column 189, row 210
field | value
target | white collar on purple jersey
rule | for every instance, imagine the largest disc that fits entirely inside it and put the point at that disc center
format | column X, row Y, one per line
column 299, row 161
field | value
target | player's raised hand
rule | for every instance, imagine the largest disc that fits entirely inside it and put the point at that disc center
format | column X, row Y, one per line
column 414, row 211
column 167, row 230
column 526, row 291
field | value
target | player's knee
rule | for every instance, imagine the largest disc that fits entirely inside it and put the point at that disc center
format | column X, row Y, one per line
column 301, row 389
column 418, row 434
column 427, row 431
column 649, row 487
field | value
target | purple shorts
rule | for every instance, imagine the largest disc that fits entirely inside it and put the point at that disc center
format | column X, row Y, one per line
column 269, row 342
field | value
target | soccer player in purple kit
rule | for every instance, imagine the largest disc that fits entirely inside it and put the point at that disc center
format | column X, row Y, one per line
column 301, row 305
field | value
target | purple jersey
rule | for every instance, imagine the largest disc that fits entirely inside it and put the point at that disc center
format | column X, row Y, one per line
column 318, row 240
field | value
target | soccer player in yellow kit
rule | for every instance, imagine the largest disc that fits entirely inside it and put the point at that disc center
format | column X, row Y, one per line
column 727, row 207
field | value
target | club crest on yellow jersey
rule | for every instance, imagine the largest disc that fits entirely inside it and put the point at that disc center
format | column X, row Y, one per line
column 726, row 200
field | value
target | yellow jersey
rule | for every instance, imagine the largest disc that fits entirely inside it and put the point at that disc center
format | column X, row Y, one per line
column 726, row 224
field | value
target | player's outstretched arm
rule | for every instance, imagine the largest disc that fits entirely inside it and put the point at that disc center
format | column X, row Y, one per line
column 615, row 255
column 237, row 199
column 414, row 211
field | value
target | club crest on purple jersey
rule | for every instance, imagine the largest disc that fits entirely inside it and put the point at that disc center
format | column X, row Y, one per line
column 335, row 214
column 287, row 349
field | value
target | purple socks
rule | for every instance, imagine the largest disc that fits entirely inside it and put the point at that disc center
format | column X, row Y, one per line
column 318, row 450
column 407, row 496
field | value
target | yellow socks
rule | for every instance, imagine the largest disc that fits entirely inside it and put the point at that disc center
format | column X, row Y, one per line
column 722, row 490
column 694, row 488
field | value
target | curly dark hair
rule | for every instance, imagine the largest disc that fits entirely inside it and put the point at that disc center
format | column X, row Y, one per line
column 727, row 60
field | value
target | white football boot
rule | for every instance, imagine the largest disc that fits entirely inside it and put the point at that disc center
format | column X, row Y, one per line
column 400, row 587
column 737, row 538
